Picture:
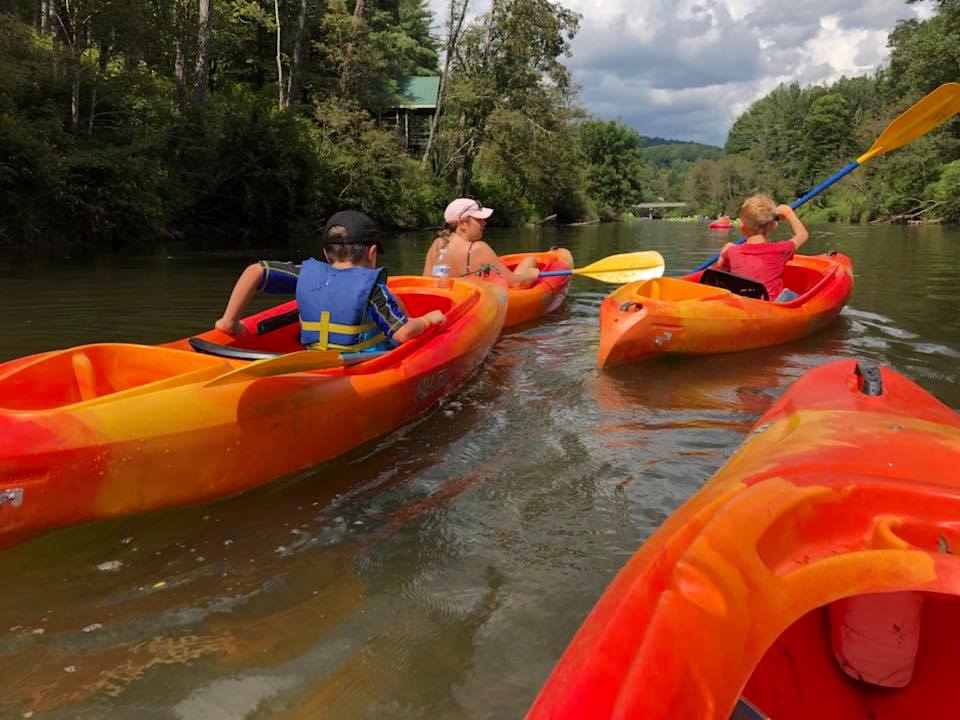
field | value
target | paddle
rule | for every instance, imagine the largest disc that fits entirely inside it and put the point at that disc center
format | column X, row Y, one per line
column 619, row 269
column 300, row 361
column 930, row 112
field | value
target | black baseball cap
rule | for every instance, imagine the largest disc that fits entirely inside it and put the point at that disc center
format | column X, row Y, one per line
column 359, row 229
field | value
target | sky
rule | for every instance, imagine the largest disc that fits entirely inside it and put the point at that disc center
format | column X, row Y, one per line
column 685, row 69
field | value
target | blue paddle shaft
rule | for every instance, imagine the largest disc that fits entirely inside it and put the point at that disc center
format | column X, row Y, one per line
column 554, row 273
column 797, row 203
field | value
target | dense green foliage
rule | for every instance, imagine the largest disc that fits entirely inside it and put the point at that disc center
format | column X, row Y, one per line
column 248, row 121
column 616, row 175
column 795, row 138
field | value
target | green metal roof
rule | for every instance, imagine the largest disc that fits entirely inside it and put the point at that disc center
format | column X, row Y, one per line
column 420, row 92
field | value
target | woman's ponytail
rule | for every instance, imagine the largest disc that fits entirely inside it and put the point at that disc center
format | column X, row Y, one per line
column 444, row 237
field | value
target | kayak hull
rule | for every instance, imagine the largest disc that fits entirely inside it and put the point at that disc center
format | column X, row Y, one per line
column 835, row 495
column 155, row 441
column 681, row 316
column 525, row 304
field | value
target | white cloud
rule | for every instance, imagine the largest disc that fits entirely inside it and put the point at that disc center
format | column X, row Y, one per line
column 686, row 68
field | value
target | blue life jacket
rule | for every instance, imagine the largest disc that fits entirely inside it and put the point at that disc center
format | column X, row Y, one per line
column 333, row 307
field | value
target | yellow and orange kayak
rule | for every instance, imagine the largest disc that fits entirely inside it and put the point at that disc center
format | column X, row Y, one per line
column 816, row 575
column 686, row 316
column 546, row 295
column 112, row 429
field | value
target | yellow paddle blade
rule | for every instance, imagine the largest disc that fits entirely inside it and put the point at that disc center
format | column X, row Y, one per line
column 933, row 110
column 625, row 267
column 301, row 361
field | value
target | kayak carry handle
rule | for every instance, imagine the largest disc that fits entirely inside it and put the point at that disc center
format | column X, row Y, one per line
column 869, row 379
column 278, row 321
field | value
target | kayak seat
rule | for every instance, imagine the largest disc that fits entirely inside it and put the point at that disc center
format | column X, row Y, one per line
column 86, row 377
column 737, row 284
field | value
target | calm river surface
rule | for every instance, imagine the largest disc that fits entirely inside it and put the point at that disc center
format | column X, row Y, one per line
column 438, row 572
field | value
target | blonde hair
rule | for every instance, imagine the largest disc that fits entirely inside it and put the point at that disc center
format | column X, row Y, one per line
column 444, row 235
column 759, row 213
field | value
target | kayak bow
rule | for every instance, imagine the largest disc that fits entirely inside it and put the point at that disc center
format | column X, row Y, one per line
column 839, row 511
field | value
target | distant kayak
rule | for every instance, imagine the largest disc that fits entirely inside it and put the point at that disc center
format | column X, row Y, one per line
column 713, row 311
column 720, row 226
column 792, row 585
column 112, row 429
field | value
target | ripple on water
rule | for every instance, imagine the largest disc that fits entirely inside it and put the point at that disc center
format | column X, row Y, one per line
column 487, row 529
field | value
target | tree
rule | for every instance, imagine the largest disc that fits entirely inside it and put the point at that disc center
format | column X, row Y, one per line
column 616, row 175
column 827, row 137
column 455, row 16
column 202, row 72
column 701, row 187
column 508, row 59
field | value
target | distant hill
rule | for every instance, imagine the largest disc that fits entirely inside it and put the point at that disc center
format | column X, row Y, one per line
column 646, row 141
column 663, row 153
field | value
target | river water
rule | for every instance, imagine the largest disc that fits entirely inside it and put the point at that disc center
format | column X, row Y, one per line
column 438, row 572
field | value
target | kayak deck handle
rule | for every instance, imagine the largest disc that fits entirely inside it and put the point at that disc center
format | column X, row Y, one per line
column 631, row 305
column 12, row 497
column 278, row 321
column 869, row 379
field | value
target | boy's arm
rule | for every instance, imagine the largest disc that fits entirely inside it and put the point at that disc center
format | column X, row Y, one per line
column 722, row 261
column 386, row 311
column 269, row 276
column 800, row 233
column 244, row 290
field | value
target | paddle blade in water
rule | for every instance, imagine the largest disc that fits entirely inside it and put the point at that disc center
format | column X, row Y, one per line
column 930, row 112
column 625, row 267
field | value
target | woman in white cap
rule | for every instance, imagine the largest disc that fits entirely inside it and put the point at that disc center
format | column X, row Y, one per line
column 460, row 248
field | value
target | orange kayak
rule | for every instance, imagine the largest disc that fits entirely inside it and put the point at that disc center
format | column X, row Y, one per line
column 111, row 429
column 686, row 316
column 816, row 575
column 546, row 295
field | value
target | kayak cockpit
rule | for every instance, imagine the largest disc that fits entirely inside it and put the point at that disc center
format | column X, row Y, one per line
column 808, row 673
column 675, row 290
column 89, row 372
column 276, row 331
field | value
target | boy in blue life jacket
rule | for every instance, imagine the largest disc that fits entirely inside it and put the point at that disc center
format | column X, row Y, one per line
column 344, row 303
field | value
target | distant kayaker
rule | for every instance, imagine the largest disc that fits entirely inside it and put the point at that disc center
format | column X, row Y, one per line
column 460, row 249
column 344, row 303
column 757, row 258
column 723, row 219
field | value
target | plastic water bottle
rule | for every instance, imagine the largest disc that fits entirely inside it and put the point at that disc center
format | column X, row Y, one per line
column 441, row 271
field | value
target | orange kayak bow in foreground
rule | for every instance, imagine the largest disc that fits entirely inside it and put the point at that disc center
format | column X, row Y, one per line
column 112, row 429
column 687, row 316
column 816, row 575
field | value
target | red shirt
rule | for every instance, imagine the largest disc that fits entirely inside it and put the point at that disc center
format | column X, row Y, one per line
column 763, row 262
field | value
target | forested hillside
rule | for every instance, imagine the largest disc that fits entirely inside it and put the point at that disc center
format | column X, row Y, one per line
column 249, row 121
column 794, row 138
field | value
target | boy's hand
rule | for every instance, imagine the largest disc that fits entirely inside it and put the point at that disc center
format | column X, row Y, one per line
column 230, row 327
column 783, row 211
column 435, row 317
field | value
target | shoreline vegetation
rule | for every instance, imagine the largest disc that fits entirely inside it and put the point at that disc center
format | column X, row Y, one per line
column 244, row 122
